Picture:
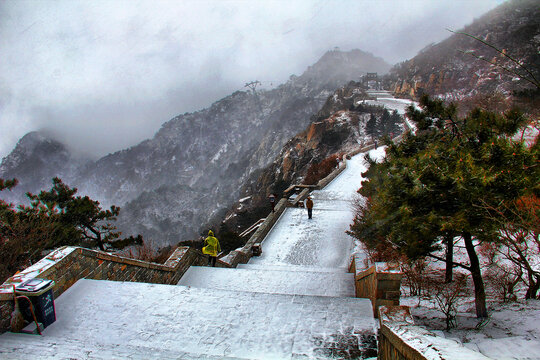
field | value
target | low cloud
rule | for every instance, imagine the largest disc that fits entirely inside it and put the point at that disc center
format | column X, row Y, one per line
column 104, row 75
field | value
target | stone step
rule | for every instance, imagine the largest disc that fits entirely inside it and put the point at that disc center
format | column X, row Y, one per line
column 288, row 267
column 271, row 281
column 106, row 319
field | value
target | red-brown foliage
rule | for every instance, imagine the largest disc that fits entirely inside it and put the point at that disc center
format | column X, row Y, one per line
column 318, row 171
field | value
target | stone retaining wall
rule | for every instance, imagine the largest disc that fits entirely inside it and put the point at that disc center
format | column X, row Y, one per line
column 379, row 282
column 68, row 264
column 334, row 174
column 400, row 339
column 242, row 255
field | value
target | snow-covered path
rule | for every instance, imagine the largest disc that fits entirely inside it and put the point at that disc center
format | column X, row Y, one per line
column 321, row 241
column 386, row 99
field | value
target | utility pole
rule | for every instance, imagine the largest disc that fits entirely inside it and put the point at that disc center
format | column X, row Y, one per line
column 253, row 85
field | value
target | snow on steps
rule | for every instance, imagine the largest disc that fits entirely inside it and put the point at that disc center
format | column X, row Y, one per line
column 290, row 267
column 106, row 319
column 271, row 281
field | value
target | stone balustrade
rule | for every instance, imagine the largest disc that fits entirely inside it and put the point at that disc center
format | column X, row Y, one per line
column 380, row 282
column 400, row 339
column 68, row 264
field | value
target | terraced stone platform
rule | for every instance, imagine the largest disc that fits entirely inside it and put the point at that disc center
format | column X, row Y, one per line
column 105, row 319
column 282, row 281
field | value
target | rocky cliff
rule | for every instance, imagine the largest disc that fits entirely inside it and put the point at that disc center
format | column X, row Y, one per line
column 338, row 128
column 193, row 167
column 461, row 66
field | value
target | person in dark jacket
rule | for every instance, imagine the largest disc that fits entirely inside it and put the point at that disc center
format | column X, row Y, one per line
column 211, row 248
column 309, row 206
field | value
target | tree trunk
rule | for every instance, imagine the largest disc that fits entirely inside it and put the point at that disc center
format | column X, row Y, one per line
column 99, row 241
column 534, row 285
column 479, row 292
column 449, row 258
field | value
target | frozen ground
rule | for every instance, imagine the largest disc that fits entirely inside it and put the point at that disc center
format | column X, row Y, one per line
column 511, row 334
column 386, row 99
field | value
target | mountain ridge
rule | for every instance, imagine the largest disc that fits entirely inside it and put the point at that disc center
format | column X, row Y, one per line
column 193, row 166
column 449, row 71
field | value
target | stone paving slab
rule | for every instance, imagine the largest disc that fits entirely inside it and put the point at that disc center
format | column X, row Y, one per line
column 271, row 281
column 317, row 242
column 293, row 268
column 105, row 319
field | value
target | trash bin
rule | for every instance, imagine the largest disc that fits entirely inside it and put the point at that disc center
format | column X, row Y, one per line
column 40, row 293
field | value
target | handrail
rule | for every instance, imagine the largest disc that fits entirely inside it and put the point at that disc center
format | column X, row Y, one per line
column 252, row 228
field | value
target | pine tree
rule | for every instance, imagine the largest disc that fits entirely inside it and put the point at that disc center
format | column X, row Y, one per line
column 55, row 218
column 431, row 185
column 383, row 124
column 371, row 126
column 81, row 215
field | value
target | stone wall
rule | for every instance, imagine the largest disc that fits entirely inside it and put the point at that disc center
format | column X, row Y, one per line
column 68, row 264
column 323, row 182
column 400, row 339
column 242, row 255
column 380, row 282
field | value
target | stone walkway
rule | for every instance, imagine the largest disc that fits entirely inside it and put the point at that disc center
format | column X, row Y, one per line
column 115, row 320
column 272, row 281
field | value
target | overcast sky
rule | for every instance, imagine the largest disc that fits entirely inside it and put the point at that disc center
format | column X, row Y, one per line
column 104, row 75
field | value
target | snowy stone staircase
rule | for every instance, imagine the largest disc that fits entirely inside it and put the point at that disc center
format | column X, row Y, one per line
column 107, row 319
column 312, row 307
column 327, row 282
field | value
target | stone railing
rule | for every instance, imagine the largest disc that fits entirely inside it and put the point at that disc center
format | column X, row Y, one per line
column 68, row 264
column 380, row 282
column 243, row 254
column 362, row 149
column 400, row 339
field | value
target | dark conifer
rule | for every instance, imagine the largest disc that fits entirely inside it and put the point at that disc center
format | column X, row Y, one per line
column 431, row 186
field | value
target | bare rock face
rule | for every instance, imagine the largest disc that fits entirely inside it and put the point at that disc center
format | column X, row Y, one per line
column 192, row 169
column 338, row 128
column 449, row 69
column 36, row 159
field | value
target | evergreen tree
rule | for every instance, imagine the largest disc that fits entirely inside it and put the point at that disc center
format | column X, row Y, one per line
column 394, row 126
column 430, row 186
column 81, row 215
column 55, row 218
column 384, row 123
column 371, row 126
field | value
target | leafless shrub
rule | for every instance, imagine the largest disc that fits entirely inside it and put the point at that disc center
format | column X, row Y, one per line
column 503, row 280
column 448, row 297
column 519, row 237
column 147, row 252
column 415, row 276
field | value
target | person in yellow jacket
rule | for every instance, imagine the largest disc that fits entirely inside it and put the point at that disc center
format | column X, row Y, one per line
column 211, row 248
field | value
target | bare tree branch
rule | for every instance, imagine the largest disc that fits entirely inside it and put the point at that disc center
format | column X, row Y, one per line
column 533, row 79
